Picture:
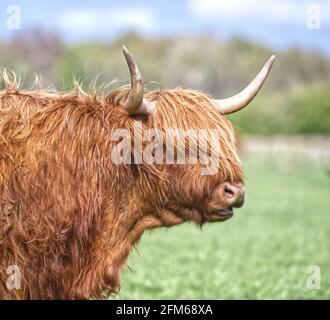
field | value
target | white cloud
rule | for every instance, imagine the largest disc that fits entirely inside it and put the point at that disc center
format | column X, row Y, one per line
column 284, row 11
column 78, row 19
column 140, row 19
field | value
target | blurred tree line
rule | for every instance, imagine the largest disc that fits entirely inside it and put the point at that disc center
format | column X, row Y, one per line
column 295, row 98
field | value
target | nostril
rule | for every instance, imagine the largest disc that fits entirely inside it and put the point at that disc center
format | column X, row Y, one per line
column 229, row 192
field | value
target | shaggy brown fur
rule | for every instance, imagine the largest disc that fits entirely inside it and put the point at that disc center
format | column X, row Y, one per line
column 68, row 215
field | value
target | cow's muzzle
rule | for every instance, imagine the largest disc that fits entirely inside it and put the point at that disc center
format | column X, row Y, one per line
column 233, row 194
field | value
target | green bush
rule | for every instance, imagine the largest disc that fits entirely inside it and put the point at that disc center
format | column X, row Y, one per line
column 310, row 112
column 305, row 111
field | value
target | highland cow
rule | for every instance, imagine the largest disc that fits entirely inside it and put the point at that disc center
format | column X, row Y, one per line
column 69, row 215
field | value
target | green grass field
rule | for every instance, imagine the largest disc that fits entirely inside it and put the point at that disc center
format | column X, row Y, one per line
column 263, row 252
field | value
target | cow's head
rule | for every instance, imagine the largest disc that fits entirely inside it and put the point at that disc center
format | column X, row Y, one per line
column 209, row 182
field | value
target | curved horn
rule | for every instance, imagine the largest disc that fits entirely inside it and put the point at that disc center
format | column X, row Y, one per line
column 242, row 99
column 134, row 103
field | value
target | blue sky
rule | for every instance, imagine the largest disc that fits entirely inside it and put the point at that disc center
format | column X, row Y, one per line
column 275, row 23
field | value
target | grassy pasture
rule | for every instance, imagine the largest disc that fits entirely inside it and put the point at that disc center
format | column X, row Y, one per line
column 263, row 252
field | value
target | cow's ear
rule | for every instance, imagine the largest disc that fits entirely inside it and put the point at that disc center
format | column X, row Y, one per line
column 135, row 103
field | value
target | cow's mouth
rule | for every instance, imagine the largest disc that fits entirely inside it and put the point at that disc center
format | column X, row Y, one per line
column 220, row 214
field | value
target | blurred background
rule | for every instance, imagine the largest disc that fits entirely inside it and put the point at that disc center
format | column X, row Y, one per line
column 218, row 47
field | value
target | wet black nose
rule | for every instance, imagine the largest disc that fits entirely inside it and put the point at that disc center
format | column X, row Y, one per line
column 234, row 194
